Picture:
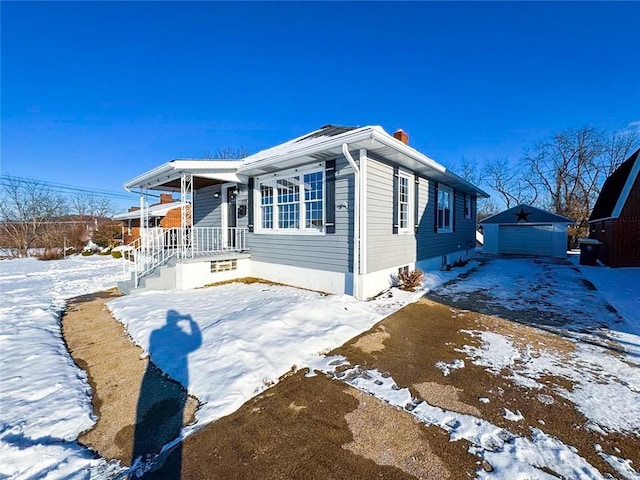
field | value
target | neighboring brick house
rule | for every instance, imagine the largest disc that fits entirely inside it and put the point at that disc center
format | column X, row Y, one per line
column 165, row 214
column 615, row 219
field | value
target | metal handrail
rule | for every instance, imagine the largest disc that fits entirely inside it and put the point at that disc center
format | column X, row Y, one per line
column 148, row 253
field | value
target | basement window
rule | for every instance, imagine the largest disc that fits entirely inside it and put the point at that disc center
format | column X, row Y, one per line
column 223, row 265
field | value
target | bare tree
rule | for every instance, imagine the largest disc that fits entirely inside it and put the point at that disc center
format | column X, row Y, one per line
column 570, row 167
column 28, row 209
column 487, row 207
column 88, row 205
column 87, row 212
column 226, row 153
column 512, row 182
column 469, row 171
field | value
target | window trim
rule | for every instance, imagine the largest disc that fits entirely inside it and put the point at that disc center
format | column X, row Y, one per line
column 443, row 188
column 409, row 228
column 302, row 211
column 467, row 200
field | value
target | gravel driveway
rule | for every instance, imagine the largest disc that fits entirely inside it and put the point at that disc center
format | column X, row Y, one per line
column 539, row 291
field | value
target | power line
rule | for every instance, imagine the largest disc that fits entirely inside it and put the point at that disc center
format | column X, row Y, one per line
column 64, row 188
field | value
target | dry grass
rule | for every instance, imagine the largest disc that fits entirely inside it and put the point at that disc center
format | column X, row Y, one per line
column 251, row 280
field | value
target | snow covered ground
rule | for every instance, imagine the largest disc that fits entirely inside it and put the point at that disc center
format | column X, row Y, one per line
column 253, row 334
column 603, row 365
column 45, row 398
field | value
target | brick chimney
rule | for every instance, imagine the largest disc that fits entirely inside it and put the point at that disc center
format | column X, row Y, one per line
column 166, row 198
column 133, row 209
column 400, row 135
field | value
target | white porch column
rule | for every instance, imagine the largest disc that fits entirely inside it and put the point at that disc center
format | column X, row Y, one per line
column 144, row 218
column 186, row 216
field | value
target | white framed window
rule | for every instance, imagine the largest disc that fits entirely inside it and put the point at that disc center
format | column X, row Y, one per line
column 292, row 203
column 467, row 206
column 445, row 203
column 404, row 204
column 266, row 206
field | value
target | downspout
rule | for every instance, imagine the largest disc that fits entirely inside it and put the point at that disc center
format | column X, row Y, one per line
column 356, row 219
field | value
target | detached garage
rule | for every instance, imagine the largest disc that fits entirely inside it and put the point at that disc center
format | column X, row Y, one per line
column 526, row 230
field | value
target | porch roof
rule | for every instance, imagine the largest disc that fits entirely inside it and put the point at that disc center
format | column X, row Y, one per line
column 167, row 176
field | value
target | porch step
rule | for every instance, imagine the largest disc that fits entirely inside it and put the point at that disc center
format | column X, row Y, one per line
column 163, row 277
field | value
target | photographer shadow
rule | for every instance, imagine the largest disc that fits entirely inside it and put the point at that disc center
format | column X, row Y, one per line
column 161, row 403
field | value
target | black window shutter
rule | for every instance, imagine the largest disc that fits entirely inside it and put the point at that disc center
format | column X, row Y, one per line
column 416, row 205
column 330, row 201
column 453, row 210
column 250, row 204
column 435, row 210
column 396, row 179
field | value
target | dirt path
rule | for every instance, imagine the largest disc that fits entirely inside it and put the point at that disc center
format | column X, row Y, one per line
column 318, row 428
column 408, row 344
column 126, row 422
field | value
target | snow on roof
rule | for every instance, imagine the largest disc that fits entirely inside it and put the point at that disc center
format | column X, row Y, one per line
column 154, row 211
column 307, row 140
column 319, row 145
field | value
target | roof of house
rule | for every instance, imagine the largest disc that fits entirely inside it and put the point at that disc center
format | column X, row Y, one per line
column 159, row 210
column 616, row 188
column 326, row 143
column 317, row 146
column 523, row 214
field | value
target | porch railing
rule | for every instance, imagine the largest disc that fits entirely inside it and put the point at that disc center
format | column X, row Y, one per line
column 157, row 247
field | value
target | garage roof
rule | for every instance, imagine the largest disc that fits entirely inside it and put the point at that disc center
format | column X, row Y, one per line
column 523, row 214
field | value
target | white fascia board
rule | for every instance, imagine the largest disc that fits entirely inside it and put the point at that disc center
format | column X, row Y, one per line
column 624, row 194
column 356, row 139
column 136, row 182
column 214, row 169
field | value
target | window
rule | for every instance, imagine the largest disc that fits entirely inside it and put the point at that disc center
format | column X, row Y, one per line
column 313, row 200
column 266, row 206
column 284, row 207
column 223, row 265
column 445, row 198
column 289, row 202
column 467, row 206
column 403, row 203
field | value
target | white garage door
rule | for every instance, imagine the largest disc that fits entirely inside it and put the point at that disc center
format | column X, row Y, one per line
column 526, row 239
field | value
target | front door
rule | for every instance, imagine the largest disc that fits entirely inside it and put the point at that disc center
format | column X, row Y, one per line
column 232, row 216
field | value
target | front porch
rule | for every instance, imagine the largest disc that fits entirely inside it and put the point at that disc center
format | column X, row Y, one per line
column 184, row 258
column 159, row 250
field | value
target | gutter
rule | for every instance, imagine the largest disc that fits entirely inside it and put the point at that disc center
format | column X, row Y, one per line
column 356, row 219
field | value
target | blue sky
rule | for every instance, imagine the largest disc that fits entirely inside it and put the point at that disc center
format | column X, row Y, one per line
column 95, row 93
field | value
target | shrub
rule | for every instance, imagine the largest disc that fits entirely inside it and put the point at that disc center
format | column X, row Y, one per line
column 50, row 255
column 410, row 280
column 460, row 262
column 87, row 253
column 116, row 253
